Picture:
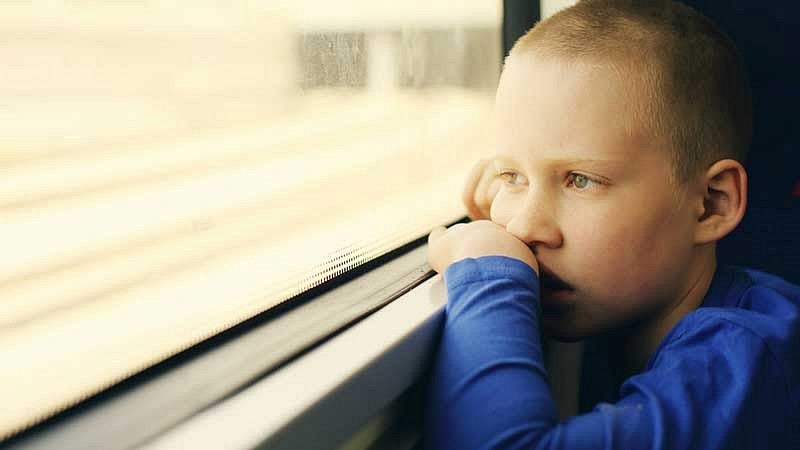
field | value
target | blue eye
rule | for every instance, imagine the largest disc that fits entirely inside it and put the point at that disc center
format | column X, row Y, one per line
column 581, row 182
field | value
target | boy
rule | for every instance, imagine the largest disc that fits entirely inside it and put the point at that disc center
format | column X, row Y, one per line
column 622, row 125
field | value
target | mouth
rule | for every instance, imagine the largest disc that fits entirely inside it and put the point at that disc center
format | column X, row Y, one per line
column 555, row 291
column 551, row 281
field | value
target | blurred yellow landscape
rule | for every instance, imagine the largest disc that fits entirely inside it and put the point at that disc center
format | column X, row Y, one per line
column 170, row 170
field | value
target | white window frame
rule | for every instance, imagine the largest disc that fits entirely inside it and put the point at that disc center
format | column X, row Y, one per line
column 325, row 396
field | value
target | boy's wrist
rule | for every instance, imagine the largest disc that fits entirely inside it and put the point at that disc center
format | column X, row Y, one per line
column 491, row 268
column 475, row 240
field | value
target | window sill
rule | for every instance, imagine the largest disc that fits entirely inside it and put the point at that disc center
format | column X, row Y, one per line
column 145, row 408
column 325, row 396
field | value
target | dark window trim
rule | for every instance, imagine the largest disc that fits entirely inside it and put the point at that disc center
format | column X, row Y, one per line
column 328, row 396
column 519, row 16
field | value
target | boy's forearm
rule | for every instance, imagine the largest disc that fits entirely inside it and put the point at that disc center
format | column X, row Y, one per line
column 489, row 386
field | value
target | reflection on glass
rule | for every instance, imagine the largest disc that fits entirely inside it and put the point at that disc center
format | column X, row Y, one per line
column 169, row 171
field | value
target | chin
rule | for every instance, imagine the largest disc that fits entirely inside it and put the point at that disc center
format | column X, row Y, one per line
column 565, row 328
column 564, row 337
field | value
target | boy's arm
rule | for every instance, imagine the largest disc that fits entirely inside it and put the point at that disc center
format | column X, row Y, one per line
column 489, row 389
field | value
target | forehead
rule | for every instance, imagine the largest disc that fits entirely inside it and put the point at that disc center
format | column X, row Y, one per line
column 553, row 109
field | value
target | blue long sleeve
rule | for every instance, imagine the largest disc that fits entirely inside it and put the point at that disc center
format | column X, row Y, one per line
column 713, row 383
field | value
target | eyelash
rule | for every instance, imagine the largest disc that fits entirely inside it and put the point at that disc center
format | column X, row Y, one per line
column 507, row 175
column 571, row 181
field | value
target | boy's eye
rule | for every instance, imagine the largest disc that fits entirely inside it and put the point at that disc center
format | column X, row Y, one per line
column 582, row 182
column 511, row 177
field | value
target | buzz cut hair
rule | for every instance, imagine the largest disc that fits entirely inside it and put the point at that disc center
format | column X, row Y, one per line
column 699, row 101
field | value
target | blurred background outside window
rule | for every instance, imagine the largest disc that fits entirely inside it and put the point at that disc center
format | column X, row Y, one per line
column 170, row 169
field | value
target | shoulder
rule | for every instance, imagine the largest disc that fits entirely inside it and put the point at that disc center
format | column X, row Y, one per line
column 737, row 373
column 743, row 301
column 759, row 306
column 753, row 338
column 768, row 293
column 723, row 338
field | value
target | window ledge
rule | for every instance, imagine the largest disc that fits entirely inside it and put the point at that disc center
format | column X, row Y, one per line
column 323, row 397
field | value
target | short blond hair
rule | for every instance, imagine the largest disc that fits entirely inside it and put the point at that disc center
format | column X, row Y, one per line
column 700, row 97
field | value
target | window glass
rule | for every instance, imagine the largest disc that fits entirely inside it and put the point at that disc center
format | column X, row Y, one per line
column 550, row 7
column 170, row 169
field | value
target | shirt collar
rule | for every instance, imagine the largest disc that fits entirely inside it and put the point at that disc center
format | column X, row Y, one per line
column 727, row 286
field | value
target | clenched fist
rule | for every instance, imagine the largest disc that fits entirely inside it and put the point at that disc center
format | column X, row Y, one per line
column 473, row 240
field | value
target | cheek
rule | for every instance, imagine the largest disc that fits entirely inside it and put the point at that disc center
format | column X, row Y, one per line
column 595, row 250
column 632, row 254
column 597, row 235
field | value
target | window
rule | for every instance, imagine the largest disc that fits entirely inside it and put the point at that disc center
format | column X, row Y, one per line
column 550, row 7
column 168, row 171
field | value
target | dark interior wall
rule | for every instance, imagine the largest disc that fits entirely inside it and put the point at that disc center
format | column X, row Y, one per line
column 766, row 34
column 518, row 17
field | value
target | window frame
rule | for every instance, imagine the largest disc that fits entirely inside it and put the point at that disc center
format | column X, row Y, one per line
column 361, row 371
column 150, row 403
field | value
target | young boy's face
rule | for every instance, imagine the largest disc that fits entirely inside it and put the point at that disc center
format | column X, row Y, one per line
column 589, row 188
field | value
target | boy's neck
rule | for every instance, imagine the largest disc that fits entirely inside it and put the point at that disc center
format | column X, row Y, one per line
column 632, row 347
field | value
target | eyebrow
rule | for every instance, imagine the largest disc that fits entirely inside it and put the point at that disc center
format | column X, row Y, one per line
column 587, row 161
column 565, row 161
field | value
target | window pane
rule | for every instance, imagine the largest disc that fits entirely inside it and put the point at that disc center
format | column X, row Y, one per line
column 550, row 7
column 168, row 171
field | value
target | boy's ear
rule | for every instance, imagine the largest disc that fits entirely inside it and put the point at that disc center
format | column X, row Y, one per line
column 724, row 200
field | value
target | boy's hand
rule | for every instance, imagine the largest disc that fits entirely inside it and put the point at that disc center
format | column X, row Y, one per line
column 473, row 240
column 481, row 188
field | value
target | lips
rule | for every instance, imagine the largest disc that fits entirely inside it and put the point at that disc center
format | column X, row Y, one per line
column 550, row 281
column 556, row 294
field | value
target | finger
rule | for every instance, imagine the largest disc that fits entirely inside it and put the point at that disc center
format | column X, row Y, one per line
column 436, row 234
column 494, row 188
column 483, row 204
column 472, row 186
column 484, row 196
column 474, row 177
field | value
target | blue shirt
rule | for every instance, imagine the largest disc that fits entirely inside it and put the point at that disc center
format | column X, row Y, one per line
column 726, row 376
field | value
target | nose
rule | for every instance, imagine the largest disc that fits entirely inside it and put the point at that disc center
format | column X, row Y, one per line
column 535, row 224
